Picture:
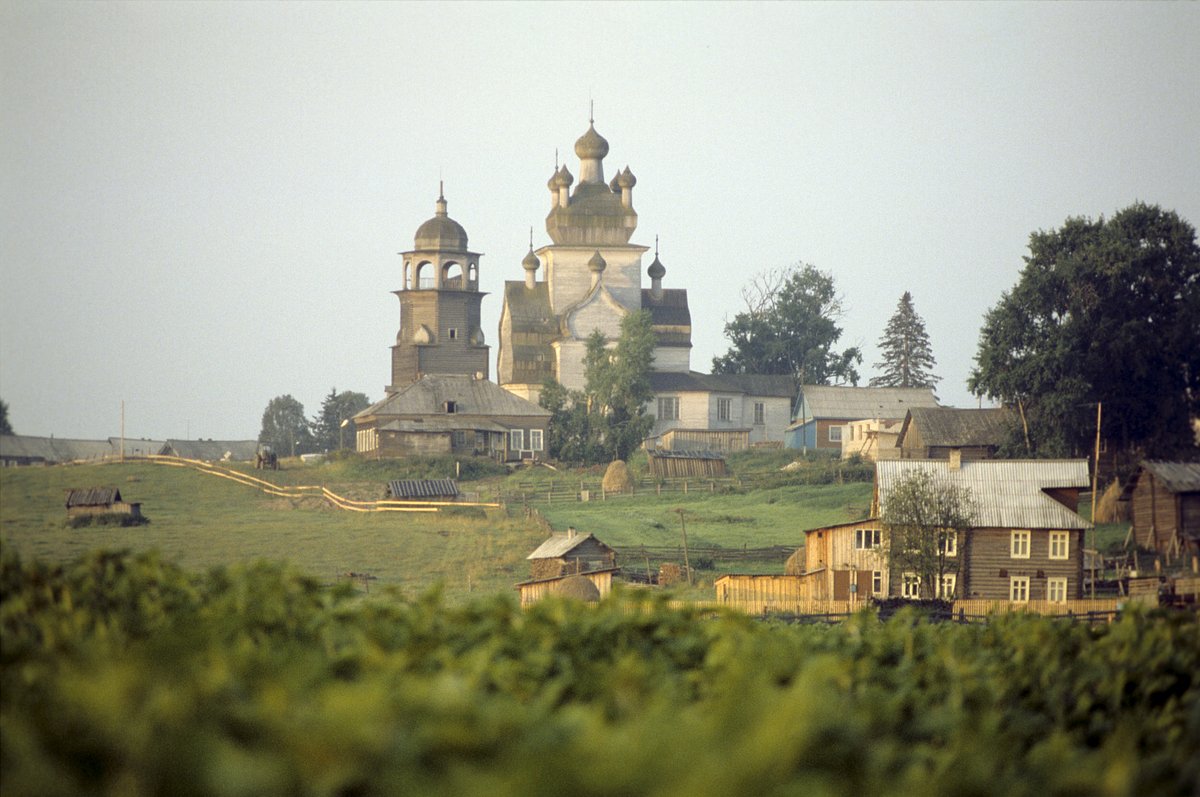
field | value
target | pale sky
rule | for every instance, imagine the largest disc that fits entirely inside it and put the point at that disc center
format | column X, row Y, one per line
column 202, row 203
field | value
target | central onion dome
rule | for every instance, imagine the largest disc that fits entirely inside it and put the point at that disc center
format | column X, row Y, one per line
column 597, row 264
column 531, row 262
column 441, row 232
column 591, row 145
column 657, row 270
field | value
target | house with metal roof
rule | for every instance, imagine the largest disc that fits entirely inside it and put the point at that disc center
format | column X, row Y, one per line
column 1164, row 508
column 423, row 490
column 570, row 552
column 824, row 411
column 31, row 450
column 726, row 412
column 211, row 450
column 936, row 432
column 452, row 414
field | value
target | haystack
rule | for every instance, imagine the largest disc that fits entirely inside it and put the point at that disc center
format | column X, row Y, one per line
column 1109, row 509
column 617, row 478
column 578, row 588
column 795, row 563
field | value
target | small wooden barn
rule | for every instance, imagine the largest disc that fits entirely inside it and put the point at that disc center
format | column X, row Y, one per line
column 686, row 464
column 97, row 501
column 423, row 490
column 938, row 432
column 1164, row 507
column 570, row 552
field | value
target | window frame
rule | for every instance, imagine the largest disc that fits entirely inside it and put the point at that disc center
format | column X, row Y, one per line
column 867, row 539
column 943, row 592
column 910, row 586
column 835, row 438
column 1060, row 582
column 668, row 401
column 760, row 413
column 517, row 436
column 876, row 582
column 536, row 440
column 724, row 409
column 951, row 544
column 1018, row 589
column 1019, row 543
column 1060, row 539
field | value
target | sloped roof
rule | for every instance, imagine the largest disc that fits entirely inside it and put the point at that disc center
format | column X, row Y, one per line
column 860, row 403
column 669, row 316
column 1008, row 493
column 423, row 488
column 212, row 450
column 1177, row 477
column 750, row 384
column 559, row 545
column 136, row 446
column 429, row 394
column 440, row 424
column 53, row 449
column 951, row 426
column 93, row 496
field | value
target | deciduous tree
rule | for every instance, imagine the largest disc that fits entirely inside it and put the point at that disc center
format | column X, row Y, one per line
column 5, row 426
column 907, row 354
column 1104, row 311
column 924, row 519
column 790, row 326
column 285, row 428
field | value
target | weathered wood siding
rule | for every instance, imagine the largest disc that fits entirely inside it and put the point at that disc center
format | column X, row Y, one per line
column 989, row 564
column 1157, row 514
column 686, row 467
column 776, row 594
column 533, row 591
column 706, row 440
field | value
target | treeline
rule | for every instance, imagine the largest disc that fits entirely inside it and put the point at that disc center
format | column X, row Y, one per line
column 123, row 674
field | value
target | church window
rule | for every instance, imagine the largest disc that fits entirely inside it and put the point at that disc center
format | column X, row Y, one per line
column 724, row 409
column 452, row 333
column 425, row 279
column 760, row 411
column 451, row 407
column 668, row 408
column 452, row 277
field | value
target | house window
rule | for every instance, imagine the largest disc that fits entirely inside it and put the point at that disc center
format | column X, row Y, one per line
column 1018, row 589
column 451, row 407
column 910, row 586
column 1060, row 544
column 1056, row 590
column 760, row 413
column 535, row 439
column 515, row 439
column 724, row 409
column 835, row 434
column 668, row 408
column 876, row 582
column 948, row 585
column 865, row 539
column 950, row 543
column 452, row 333
column 460, row 438
column 481, row 441
column 1020, row 545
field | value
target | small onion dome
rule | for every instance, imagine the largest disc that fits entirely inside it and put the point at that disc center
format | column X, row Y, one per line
column 422, row 336
column 564, row 177
column 531, row 262
column 441, row 232
column 657, row 269
column 597, row 263
column 614, row 185
column 552, row 183
column 625, row 179
column 578, row 588
column 591, row 145
column 476, row 338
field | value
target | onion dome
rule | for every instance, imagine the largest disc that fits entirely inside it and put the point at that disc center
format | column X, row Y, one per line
column 591, row 145
column 531, row 262
column 422, row 336
column 552, row 183
column 625, row 179
column 597, row 264
column 565, row 177
column 441, row 232
column 476, row 338
column 657, row 270
column 614, row 185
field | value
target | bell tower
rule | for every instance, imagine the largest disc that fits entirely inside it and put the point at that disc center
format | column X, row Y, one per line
column 439, row 305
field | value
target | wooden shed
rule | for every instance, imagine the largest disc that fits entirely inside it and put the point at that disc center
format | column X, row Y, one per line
column 423, row 490
column 686, row 464
column 1164, row 507
column 535, row 589
column 94, row 501
column 570, row 552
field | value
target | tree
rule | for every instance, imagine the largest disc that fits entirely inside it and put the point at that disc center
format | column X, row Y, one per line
column 1104, row 311
column 789, row 327
column 924, row 518
column 5, row 426
column 907, row 356
column 284, row 427
column 327, row 431
column 607, row 420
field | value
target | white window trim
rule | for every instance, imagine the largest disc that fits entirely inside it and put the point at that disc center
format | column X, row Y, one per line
column 1051, row 583
column 1065, row 538
column 951, row 544
column 876, row 582
column 760, row 413
column 1019, row 544
column 535, row 439
column 724, row 409
column 867, row 539
column 910, row 586
column 517, row 437
column 948, row 586
column 1018, row 589
column 835, row 434
column 671, row 402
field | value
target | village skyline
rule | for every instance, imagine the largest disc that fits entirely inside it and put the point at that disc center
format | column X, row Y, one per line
column 203, row 204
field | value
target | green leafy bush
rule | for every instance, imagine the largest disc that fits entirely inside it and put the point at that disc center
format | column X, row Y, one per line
column 124, row 674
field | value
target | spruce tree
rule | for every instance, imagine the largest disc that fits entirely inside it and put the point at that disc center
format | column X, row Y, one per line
column 907, row 356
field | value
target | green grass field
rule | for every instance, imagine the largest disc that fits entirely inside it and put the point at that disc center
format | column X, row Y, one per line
column 202, row 521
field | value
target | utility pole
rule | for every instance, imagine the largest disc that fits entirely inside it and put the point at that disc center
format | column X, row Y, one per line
column 1095, row 484
column 686, row 564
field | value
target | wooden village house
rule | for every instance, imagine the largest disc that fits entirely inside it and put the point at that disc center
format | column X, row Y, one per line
column 562, row 562
column 825, row 411
column 1164, row 508
column 942, row 432
column 99, row 502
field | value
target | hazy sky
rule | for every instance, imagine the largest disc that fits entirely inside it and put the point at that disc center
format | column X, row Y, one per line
column 202, row 202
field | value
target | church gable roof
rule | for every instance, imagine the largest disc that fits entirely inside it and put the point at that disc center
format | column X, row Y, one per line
column 432, row 392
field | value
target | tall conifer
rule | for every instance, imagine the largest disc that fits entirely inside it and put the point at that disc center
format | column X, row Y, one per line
column 907, row 356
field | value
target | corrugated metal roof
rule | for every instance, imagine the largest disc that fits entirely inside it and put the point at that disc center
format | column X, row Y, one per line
column 429, row 394
column 441, row 424
column 662, row 453
column 52, row 449
column 750, row 384
column 559, row 545
column 1177, row 477
column 423, row 488
column 1008, row 493
column 93, row 496
column 212, row 450
column 860, row 403
column 951, row 426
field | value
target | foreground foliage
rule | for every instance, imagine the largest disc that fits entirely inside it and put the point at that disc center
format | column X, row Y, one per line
column 122, row 674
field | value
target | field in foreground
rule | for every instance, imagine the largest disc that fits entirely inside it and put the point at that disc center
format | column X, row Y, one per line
column 123, row 675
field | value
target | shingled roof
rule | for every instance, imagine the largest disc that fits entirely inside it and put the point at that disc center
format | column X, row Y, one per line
column 750, row 384
column 471, row 396
column 951, row 426
column 1177, row 477
column 860, row 403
